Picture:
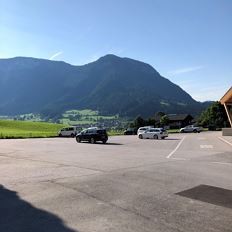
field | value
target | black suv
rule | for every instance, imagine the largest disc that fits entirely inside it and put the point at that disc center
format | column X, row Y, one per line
column 92, row 135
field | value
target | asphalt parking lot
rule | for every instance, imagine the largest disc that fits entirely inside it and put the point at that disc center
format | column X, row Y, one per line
column 182, row 183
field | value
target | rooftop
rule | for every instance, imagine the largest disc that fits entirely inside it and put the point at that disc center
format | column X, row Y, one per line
column 227, row 98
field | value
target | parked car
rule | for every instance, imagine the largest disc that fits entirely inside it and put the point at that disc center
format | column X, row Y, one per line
column 191, row 128
column 212, row 128
column 92, row 135
column 130, row 131
column 153, row 133
column 71, row 131
column 144, row 128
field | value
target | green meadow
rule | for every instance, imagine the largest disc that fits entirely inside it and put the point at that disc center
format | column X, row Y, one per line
column 28, row 129
column 10, row 129
column 82, row 117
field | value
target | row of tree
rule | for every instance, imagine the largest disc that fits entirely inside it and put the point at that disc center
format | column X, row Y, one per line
column 140, row 122
column 213, row 117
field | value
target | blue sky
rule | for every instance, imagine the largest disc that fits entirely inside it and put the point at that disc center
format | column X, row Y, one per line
column 187, row 41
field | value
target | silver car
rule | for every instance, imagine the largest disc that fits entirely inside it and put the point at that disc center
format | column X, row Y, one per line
column 143, row 129
column 71, row 131
column 153, row 133
column 191, row 128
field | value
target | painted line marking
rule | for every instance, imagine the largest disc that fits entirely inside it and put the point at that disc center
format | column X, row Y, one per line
column 201, row 138
column 205, row 146
column 176, row 148
column 225, row 141
column 179, row 158
column 223, row 163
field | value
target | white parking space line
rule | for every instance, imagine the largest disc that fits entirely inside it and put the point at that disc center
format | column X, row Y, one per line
column 206, row 146
column 225, row 141
column 222, row 163
column 179, row 158
column 201, row 138
column 178, row 145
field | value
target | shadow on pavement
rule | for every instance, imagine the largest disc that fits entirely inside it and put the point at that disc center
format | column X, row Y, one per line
column 17, row 215
column 210, row 194
column 113, row 144
column 100, row 143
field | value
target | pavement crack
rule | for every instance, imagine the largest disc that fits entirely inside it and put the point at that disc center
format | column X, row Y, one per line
column 120, row 207
column 106, row 202
column 145, row 165
column 55, row 163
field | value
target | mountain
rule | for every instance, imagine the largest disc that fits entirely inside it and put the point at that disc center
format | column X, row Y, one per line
column 110, row 85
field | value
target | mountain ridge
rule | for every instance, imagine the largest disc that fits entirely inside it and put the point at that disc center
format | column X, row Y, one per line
column 110, row 85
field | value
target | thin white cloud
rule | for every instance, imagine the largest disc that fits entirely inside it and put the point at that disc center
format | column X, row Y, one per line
column 95, row 56
column 185, row 70
column 55, row 55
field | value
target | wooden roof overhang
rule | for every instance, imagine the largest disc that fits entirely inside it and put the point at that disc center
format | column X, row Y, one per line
column 227, row 98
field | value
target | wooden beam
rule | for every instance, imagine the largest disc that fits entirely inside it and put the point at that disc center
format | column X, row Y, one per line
column 229, row 114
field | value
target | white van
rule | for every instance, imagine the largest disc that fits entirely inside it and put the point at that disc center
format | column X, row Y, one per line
column 71, row 131
column 143, row 129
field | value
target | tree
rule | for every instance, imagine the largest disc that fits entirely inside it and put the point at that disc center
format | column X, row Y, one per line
column 164, row 120
column 214, row 116
column 151, row 122
column 139, row 122
column 159, row 114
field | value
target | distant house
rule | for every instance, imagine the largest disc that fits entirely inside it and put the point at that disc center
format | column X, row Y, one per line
column 179, row 120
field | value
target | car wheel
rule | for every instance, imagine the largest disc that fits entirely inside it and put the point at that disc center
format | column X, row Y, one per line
column 92, row 140
column 155, row 136
column 103, row 141
column 78, row 139
column 60, row 134
column 140, row 136
column 72, row 135
column 195, row 131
